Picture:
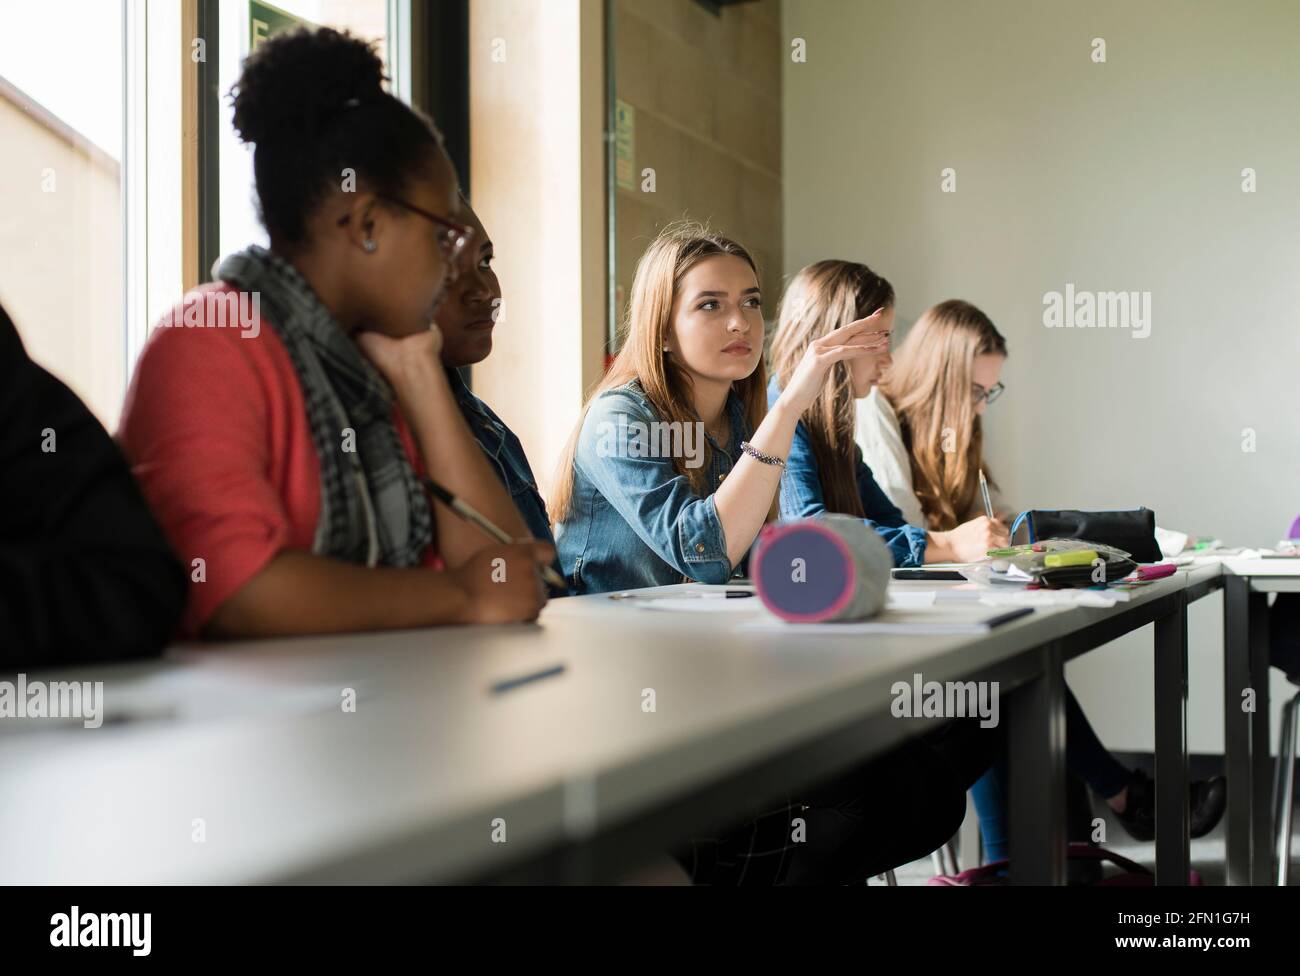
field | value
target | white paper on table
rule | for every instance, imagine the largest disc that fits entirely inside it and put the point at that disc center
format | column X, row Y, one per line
column 966, row 620
column 1207, row 557
column 699, row 604
column 910, row 599
column 1055, row 598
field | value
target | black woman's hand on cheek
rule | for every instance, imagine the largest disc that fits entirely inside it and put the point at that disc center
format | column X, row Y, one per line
column 407, row 363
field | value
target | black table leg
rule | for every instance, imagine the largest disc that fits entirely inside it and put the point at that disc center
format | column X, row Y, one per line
column 1036, row 746
column 1261, row 756
column 1245, row 731
column 1173, row 842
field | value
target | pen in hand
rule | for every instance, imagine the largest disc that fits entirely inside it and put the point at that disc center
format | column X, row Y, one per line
column 491, row 529
column 984, row 491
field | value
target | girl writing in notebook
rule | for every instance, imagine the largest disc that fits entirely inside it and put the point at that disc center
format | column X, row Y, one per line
column 943, row 376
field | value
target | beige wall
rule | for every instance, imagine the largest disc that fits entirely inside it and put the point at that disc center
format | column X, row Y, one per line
column 60, row 258
column 706, row 91
column 537, row 158
column 1122, row 175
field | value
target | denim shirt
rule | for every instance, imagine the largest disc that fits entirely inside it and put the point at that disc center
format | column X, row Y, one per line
column 506, row 456
column 634, row 521
column 801, row 495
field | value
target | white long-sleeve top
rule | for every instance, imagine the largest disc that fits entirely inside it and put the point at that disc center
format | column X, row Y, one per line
column 881, row 439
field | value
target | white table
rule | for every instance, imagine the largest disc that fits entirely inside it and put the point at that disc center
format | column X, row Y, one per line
column 1247, row 758
column 249, row 742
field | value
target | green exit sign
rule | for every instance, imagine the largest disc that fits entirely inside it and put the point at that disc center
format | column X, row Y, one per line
column 265, row 20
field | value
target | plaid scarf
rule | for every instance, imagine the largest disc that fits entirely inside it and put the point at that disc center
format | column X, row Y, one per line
column 373, row 509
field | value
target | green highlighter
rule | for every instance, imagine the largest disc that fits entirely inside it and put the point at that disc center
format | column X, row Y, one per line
column 1072, row 557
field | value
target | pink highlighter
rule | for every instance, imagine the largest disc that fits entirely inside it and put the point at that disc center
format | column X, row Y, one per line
column 1154, row 571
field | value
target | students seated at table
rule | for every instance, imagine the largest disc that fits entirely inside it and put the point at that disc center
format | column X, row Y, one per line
column 674, row 465
column 285, row 457
column 466, row 318
column 941, row 378
column 85, row 572
column 670, row 474
column 826, row 471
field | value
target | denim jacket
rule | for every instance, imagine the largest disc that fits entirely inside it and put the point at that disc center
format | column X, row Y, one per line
column 506, row 456
column 633, row 520
column 801, row 495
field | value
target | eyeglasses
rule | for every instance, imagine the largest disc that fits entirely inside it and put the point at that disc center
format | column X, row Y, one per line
column 453, row 238
column 978, row 393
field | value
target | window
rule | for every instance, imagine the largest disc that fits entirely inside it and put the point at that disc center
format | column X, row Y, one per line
column 240, row 23
column 107, row 156
column 61, row 228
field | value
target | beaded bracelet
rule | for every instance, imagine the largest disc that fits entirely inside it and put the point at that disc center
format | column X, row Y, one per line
column 758, row 455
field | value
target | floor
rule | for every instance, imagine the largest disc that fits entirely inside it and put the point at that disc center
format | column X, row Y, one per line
column 1207, row 855
column 1207, row 852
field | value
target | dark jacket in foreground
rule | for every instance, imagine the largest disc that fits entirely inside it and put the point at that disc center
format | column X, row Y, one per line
column 85, row 572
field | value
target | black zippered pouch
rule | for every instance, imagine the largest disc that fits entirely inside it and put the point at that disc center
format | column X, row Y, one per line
column 1133, row 531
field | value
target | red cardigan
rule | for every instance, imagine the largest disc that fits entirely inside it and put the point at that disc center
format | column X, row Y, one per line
column 216, row 430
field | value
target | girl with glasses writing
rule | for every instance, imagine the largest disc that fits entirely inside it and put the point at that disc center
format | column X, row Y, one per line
column 920, row 431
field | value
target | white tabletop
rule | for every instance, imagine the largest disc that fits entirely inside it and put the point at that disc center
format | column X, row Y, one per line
column 251, row 738
column 1267, row 575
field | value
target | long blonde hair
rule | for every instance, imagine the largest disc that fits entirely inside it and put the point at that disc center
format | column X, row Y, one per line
column 823, row 297
column 673, row 253
column 930, row 385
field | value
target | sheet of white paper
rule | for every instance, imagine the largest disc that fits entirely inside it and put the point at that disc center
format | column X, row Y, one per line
column 951, row 620
column 708, row 604
column 1054, row 598
column 910, row 599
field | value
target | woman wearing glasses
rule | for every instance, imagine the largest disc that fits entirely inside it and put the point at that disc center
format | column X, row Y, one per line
column 920, row 432
column 826, row 470
column 285, row 457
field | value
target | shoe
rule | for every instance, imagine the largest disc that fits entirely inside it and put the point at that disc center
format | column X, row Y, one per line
column 1207, row 799
column 1139, row 816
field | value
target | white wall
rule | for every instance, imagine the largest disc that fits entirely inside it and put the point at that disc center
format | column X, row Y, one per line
column 1117, row 176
